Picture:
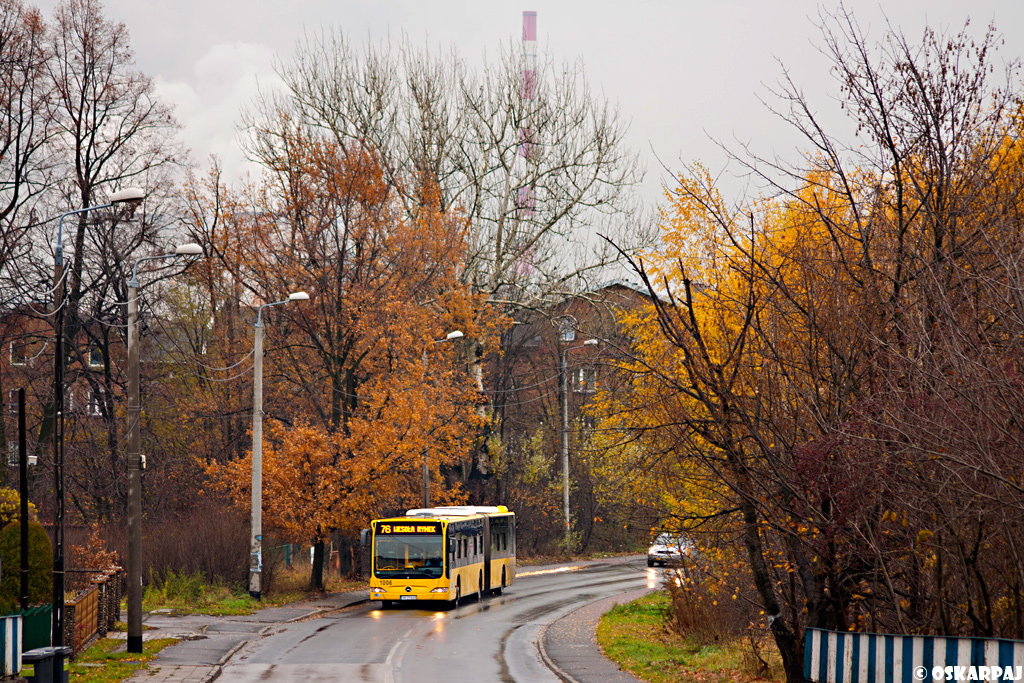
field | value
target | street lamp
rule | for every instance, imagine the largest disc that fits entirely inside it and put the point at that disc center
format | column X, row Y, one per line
column 256, row 537
column 565, row 439
column 130, row 196
column 456, row 334
column 134, row 451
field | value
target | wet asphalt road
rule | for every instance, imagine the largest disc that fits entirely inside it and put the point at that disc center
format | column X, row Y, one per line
column 493, row 640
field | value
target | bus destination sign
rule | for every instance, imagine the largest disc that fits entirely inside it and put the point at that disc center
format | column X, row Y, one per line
column 391, row 528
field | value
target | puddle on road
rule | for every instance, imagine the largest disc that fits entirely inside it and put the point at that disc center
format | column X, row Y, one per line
column 557, row 570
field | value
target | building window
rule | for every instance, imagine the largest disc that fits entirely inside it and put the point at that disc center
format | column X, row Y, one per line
column 18, row 356
column 584, row 380
column 24, row 352
column 567, row 328
column 95, row 358
column 94, row 404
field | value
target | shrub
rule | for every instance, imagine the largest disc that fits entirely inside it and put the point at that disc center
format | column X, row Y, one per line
column 40, row 564
column 188, row 589
column 210, row 539
column 712, row 597
column 94, row 554
column 10, row 507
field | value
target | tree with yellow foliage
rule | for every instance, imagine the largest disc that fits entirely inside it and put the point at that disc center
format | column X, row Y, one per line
column 837, row 367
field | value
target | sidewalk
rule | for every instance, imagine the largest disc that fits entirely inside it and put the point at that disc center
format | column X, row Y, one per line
column 569, row 646
column 209, row 641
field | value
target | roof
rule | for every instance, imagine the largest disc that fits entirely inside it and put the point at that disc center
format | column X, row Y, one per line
column 457, row 511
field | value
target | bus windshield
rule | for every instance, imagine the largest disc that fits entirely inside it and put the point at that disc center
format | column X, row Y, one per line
column 409, row 557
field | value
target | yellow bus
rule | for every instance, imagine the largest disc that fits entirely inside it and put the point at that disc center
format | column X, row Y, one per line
column 442, row 553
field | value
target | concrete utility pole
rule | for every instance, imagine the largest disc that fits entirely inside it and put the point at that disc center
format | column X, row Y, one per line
column 23, row 495
column 565, row 439
column 135, row 452
column 256, row 524
column 130, row 196
column 457, row 334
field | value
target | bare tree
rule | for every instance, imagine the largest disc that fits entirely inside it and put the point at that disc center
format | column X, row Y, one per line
column 24, row 94
column 23, row 158
column 540, row 173
column 109, row 131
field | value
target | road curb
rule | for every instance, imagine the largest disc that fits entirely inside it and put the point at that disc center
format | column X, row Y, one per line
column 215, row 674
column 322, row 612
column 543, row 651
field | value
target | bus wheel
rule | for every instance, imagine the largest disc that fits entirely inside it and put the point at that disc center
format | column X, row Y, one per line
column 500, row 589
column 458, row 592
column 385, row 604
column 480, row 588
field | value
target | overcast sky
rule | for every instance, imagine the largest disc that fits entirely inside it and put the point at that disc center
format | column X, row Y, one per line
column 683, row 72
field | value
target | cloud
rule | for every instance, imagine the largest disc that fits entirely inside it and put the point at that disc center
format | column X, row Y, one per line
column 224, row 80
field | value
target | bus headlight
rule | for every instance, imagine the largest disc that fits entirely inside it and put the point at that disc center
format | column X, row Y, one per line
column 377, row 589
column 439, row 590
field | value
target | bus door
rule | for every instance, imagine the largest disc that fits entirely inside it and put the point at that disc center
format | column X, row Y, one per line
column 451, row 545
column 487, row 554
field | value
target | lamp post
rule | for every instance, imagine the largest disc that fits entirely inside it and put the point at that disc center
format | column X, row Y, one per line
column 256, row 532
column 134, row 451
column 456, row 334
column 565, row 439
column 131, row 196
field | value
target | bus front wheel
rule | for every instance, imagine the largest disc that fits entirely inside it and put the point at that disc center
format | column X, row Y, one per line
column 385, row 604
column 458, row 592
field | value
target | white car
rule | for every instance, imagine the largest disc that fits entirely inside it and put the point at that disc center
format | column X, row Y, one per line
column 668, row 547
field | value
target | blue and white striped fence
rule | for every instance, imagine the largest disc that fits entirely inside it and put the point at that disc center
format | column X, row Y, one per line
column 831, row 657
column 10, row 644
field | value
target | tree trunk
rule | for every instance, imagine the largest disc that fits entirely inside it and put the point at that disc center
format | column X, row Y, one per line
column 789, row 644
column 316, row 578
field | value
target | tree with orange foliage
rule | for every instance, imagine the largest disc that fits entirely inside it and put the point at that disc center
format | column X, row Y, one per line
column 347, row 371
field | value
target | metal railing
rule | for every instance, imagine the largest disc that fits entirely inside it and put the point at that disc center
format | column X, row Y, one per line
column 842, row 657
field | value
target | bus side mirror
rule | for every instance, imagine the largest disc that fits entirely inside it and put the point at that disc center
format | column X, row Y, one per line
column 364, row 537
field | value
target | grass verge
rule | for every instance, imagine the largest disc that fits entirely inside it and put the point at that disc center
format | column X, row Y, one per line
column 100, row 664
column 634, row 636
